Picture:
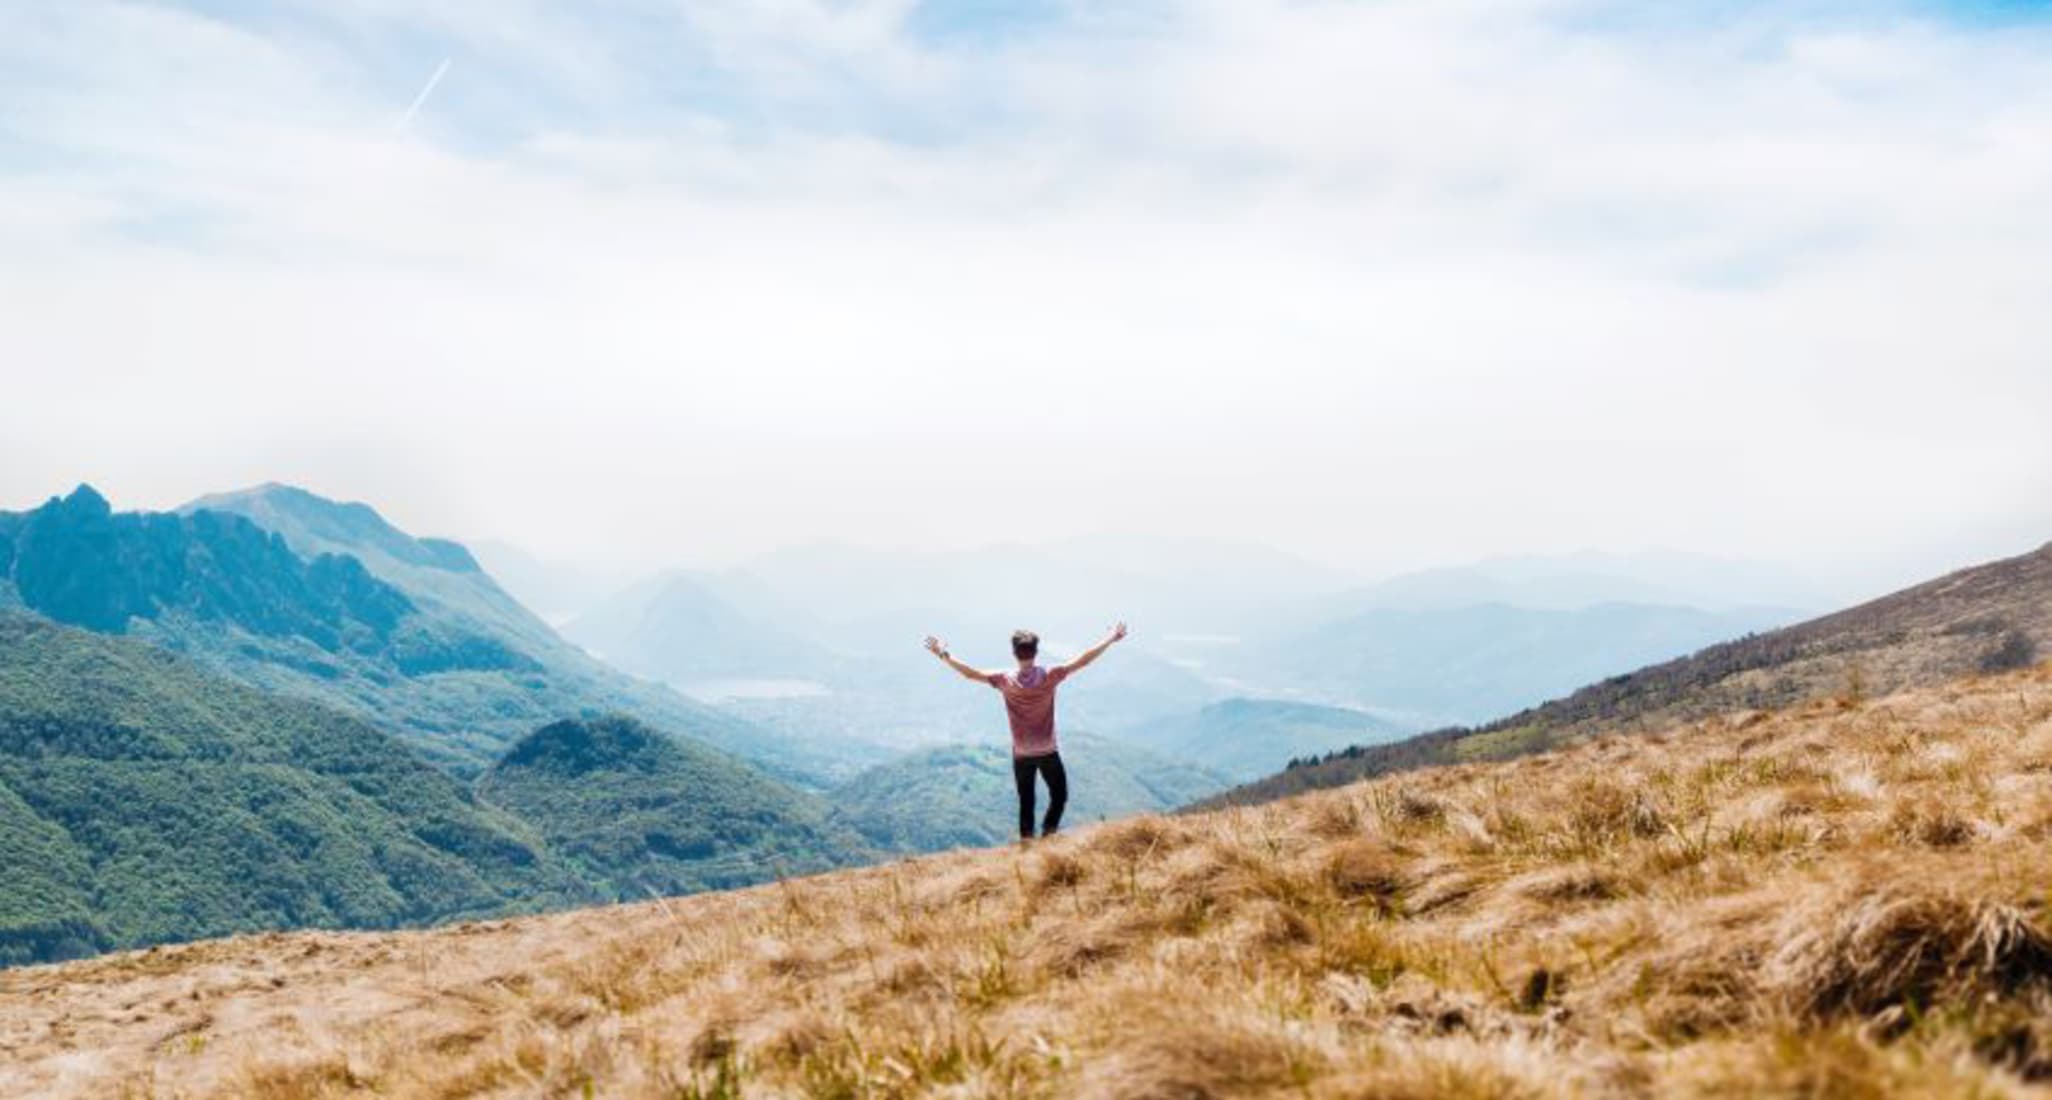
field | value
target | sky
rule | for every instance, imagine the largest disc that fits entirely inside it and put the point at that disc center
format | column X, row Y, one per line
column 1385, row 284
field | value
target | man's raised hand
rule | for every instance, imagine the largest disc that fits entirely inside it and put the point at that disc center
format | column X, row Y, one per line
column 936, row 647
column 1118, row 632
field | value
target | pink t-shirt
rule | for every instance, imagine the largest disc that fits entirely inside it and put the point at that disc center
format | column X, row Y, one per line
column 1030, row 704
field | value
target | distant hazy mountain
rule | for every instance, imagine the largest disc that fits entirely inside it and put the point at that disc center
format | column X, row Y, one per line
column 468, row 713
column 144, row 800
column 557, row 591
column 1567, row 582
column 1988, row 618
column 963, row 795
column 859, row 683
column 644, row 814
column 1466, row 664
column 1673, row 577
column 1231, row 577
column 1214, row 621
column 856, row 599
column 1246, row 738
column 678, row 629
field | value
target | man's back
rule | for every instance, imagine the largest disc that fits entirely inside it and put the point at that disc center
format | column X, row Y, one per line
column 1030, row 704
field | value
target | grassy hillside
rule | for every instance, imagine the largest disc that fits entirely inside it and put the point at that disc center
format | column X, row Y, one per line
column 143, row 800
column 1983, row 619
column 1247, row 738
column 1843, row 900
column 959, row 795
column 644, row 814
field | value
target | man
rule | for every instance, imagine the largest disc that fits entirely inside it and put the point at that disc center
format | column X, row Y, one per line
column 1030, row 703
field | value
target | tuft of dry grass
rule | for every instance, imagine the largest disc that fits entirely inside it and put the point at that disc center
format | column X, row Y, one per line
column 1846, row 899
column 1366, row 870
column 1195, row 1054
column 1907, row 946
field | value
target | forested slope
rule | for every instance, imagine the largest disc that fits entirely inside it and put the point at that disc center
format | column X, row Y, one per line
column 144, row 800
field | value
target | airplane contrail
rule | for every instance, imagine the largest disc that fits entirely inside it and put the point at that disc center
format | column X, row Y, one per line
column 425, row 91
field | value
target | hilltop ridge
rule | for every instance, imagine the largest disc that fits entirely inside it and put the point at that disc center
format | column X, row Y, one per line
column 75, row 560
column 318, row 525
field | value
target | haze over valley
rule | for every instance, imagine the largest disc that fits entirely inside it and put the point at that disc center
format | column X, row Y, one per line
column 813, row 640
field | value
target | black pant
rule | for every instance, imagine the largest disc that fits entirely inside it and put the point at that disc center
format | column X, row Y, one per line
column 1050, row 766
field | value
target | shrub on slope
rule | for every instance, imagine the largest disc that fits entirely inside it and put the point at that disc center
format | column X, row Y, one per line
column 647, row 814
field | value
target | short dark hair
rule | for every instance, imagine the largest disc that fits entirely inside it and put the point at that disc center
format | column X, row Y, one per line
column 1025, row 644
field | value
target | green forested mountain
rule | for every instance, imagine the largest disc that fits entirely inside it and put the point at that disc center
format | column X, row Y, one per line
column 143, row 800
column 1247, row 738
column 640, row 813
column 294, row 594
column 485, row 709
column 75, row 561
column 958, row 795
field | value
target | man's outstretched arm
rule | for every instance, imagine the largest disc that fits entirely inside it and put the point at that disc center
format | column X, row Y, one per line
column 1083, row 659
column 969, row 672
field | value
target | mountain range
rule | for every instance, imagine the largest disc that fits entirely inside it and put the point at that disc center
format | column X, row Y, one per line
column 273, row 690
column 811, row 641
column 485, row 709
column 267, row 709
column 292, row 593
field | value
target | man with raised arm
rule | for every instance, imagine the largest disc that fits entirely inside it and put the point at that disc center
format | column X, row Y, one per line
column 1029, row 693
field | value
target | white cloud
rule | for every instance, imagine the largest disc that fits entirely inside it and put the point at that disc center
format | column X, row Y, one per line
column 1379, row 282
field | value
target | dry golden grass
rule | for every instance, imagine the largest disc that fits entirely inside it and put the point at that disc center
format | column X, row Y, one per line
column 1849, row 900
